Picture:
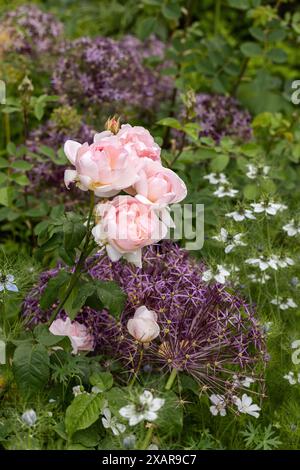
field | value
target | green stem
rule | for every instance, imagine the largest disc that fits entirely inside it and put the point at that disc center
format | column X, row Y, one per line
column 135, row 374
column 217, row 16
column 77, row 272
column 7, row 128
column 171, row 379
column 147, row 439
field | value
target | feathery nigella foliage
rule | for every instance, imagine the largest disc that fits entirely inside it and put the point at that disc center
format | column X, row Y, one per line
column 206, row 330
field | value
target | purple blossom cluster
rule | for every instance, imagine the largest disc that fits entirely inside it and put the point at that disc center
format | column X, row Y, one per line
column 221, row 116
column 34, row 32
column 103, row 71
column 206, row 331
column 53, row 136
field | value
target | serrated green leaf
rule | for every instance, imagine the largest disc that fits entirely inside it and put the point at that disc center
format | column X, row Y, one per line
column 83, row 412
column 31, row 367
column 111, row 296
column 51, row 293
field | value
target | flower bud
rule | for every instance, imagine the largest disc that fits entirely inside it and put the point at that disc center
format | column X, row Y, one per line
column 113, row 125
column 29, row 417
column 143, row 326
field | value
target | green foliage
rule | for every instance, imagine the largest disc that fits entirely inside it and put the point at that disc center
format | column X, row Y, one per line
column 83, row 412
column 31, row 367
column 260, row 438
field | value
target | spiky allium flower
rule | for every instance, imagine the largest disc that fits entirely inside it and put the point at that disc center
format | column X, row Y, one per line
column 205, row 330
column 32, row 31
column 107, row 72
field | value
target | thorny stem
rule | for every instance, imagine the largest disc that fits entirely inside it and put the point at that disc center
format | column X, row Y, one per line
column 135, row 374
column 171, row 379
column 77, row 271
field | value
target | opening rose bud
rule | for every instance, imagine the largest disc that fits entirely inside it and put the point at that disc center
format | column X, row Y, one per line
column 143, row 326
column 105, row 167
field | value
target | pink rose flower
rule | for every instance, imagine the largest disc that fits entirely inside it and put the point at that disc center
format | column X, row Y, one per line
column 126, row 226
column 158, row 185
column 105, row 167
column 78, row 334
column 141, row 140
column 143, row 326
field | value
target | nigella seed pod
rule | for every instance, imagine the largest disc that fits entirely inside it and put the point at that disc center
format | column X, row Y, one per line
column 29, row 417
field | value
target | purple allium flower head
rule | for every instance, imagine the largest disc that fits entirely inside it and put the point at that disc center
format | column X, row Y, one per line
column 34, row 32
column 206, row 330
column 107, row 72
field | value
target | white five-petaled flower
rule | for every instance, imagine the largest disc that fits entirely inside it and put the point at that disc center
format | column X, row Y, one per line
column 218, row 405
column 110, row 422
column 284, row 304
column 215, row 178
column 254, row 171
column 273, row 262
column 290, row 376
column 240, row 215
column 225, row 190
column 292, row 228
column 220, row 274
column 146, row 409
column 231, row 241
column 269, row 208
column 246, row 406
column 262, row 279
column 29, row 417
column 7, row 282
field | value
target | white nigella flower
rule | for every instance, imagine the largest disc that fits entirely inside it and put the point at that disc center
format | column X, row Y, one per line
column 214, row 178
column 110, row 422
column 240, row 215
column 269, row 208
column 274, row 262
column 145, row 410
column 284, row 304
column 29, row 417
column 223, row 191
column 218, row 405
column 231, row 241
column 219, row 274
column 7, row 282
column 77, row 390
column 245, row 405
column 261, row 279
column 291, row 378
column 254, row 171
column 243, row 382
column 292, row 228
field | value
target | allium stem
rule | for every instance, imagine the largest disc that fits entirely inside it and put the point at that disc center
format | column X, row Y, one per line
column 171, row 379
column 135, row 374
column 77, row 271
